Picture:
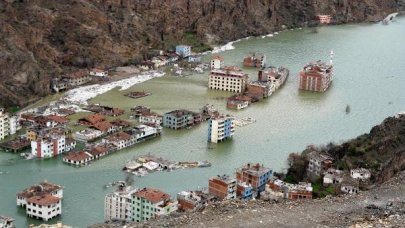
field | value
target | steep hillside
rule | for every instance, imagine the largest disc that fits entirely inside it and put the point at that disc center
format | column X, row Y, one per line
column 41, row 38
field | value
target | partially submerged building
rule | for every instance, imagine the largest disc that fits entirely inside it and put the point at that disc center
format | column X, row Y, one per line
column 228, row 79
column 42, row 200
column 178, row 119
column 6, row 222
column 316, row 76
column 220, row 129
column 118, row 204
column 254, row 60
column 193, row 200
column 217, row 62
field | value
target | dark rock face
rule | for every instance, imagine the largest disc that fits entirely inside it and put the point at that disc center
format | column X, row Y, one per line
column 40, row 39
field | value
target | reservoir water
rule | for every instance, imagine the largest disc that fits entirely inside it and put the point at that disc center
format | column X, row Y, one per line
column 369, row 76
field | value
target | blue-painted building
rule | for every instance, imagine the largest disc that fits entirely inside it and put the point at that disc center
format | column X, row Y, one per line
column 183, row 50
column 220, row 128
column 254, row 174
column 244, row 191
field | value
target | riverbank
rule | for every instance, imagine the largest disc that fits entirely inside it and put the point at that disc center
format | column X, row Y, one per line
column 383, row 206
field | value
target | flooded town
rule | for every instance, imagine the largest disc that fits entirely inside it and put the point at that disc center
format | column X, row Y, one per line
column 183, row 130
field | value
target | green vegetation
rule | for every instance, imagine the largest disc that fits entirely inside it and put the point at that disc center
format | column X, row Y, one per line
column 320, row 191
column 191, row 38
column 13, row 109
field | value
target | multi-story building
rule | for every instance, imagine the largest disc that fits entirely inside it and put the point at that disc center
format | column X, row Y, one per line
column 316, row 76
column 220, row 128
column 254, row 174
column 278, row 189
column 44, row 207
column 77, row 78
column 4, row 124
column 150, row 118
column 181, row 119
column 318, row 164
column 120, row 140
column 223, row 187
column 217, row 62
column 260, row 89
column 9, row 125
column 183, row 50
column 254, row 60
column 6, row 222
column 228, row 79
column 118, row 204
column 42, row 200
column 151, row 203
column 49, row 146
column 273, row 75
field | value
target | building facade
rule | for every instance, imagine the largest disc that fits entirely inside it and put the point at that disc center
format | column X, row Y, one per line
column 42, row 200
column 180, row 119
column 118, row 204
column 183, row 50
column 49, row 146
column 254, row 174
column 318, row 164
column 223, row 187
column 260, row 90
column 150, row 118
column 44, row 207
column 232, row 80
column 217, row 62
column 220, row 129
column 254, row 60
column 151, row 203
column 316, row 77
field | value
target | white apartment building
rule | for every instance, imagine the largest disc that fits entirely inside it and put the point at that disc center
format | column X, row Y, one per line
column 48, row 147
column 4, row 124
column 220, row 129
column 217, row 62
column 98, row 72
column 44, row 207
column 42, row 200
column 228, row 80
column 151, row 203
column 43, row 187
column 118, row 205
column 150, row 118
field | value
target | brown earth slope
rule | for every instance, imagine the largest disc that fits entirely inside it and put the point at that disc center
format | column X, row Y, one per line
column 43, row 38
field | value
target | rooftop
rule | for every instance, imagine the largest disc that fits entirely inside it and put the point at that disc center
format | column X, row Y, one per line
column 77, row 156
column 38, row 189
column 224, row 178
column 44, row 200
column 102, row 126
column 253, row 169
column 93, row 118
column 153, row 195
column 119, row 136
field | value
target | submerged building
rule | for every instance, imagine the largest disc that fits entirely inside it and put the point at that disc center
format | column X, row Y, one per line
column 254, row 60
column 223, row 187
column 316, row 76
column 220, row 129
column 228, row 79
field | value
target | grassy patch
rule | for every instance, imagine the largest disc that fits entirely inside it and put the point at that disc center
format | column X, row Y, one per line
column 320, row 191
column 197, row 45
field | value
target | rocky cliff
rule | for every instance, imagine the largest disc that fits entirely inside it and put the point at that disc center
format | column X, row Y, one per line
column 40, row 39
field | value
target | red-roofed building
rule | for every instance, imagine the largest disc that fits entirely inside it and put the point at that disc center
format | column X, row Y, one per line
column 92, row 119
column 78, row 158
column 151, row 203
column 44, row 207
column 77, row 78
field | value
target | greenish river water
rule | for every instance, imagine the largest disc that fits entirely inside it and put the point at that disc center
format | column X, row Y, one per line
column 369, row 76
